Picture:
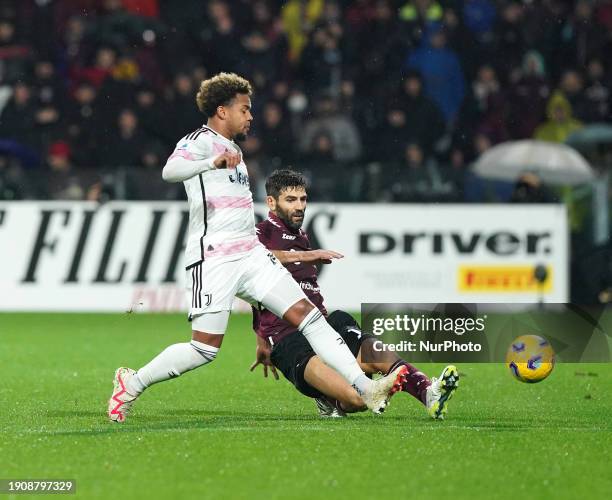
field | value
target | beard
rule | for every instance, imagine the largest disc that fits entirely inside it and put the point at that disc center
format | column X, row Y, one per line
column 287, row 218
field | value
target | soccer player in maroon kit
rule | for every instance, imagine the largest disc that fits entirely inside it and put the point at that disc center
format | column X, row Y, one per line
column 280, row 346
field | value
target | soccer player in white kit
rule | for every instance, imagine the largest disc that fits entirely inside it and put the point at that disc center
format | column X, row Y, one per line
column 224, row 257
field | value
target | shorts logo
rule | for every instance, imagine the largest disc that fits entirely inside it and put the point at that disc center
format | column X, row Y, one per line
column 207, row 299
column 340, row 340
column 288, row 237
column 272, row 258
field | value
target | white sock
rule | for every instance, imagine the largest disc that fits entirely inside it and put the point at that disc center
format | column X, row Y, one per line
column 171, row 363
column 330, row 347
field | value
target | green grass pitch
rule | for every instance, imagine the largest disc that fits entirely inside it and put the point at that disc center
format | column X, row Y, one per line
column 222, row 432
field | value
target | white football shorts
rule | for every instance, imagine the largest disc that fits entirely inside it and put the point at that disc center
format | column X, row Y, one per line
column 213, row 283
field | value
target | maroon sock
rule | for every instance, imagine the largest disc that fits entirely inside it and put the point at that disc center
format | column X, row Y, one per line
column 416, row 382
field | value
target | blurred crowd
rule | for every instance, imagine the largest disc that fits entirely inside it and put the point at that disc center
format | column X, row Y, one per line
column 375, row 99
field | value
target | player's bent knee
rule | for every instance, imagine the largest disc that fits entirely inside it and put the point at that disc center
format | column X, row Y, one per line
column 211, row 339
column 298, row 311
column 207, row 352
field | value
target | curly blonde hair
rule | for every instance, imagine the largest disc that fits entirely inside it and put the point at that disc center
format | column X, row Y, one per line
column 220, row 90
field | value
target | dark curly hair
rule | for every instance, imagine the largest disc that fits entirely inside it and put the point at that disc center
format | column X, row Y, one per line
column 283, row 179
column 219, row 91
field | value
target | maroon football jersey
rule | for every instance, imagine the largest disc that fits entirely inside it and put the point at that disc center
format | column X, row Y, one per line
column 275, row 235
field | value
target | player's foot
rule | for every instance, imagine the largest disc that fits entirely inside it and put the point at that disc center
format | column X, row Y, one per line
column 328, row 410
column 121, row 401
column 377, row 398
column 440, row 391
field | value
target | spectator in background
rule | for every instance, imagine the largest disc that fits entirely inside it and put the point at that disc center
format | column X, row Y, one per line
column 17, row 118
column 101, row 68
column 485, row 88
column 482, row 112
column 424, row 120
column 14, row 54
column 118, row 27
column 152, row 113
column 572, row 87
column 275, row 134
column 463, row 42
column 125, row 146
column 359, row 14
column 479, row 17
column 14, row 183
column 441, row 72
column 276, row 45
column 481, row 143
column 527, row 97
column 454, row 175
column 542, row 24
column 417, row 178
column 321, row 60
column 148, row 59
column 597, row 93
column 181, row 105
column 264, row 21
column 393, row 135
column 154, row 156
column 327, row 181
column 260, row 58
column 299, row 17
column 48, row 86
column 381, row 46
column 77, row 42
column 321, row 149
column 581, row 36
column 466, row 147
column 490, row 104
column 420, row 16
column 560, row 123
column 340, row 127
column 510, row 37
column 59, row 180
column 147, row 8
column 82, row 124
column 48, row 126
column 530, row 189
column 220, row 45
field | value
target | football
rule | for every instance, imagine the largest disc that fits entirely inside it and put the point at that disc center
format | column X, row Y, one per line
column 530, row 358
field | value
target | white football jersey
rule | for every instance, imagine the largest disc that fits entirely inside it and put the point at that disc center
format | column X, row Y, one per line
column 221, row 215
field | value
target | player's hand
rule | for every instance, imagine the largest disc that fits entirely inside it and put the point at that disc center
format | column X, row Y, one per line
column 227, row 160
column 262, row 357
column 323, row 256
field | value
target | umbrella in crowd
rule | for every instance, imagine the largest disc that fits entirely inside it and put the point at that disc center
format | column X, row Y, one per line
column 591, row 137
column 554, row 163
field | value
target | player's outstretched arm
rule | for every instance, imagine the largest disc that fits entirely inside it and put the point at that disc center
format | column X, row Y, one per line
column 311, row 256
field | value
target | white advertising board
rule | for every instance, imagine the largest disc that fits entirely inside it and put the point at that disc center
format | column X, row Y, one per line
column 121, row 256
